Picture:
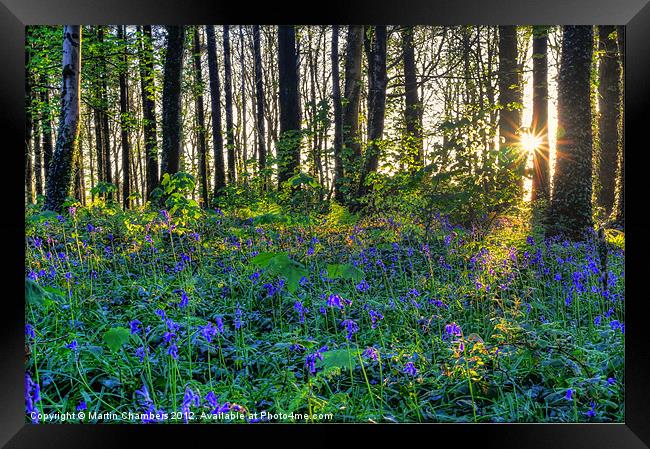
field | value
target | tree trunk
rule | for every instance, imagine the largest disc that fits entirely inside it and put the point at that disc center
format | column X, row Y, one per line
column 46, row 124
column 338, row 118
column 377, row 81
column 38, row 158
column 570, row 212
column 609, row 73
column 125, row 121
column 352, row 95
column 242, row 65
column 29, row 189
column 290, row 136
column 230, row 130
column 413, row 106
column 58, row 184
column 618, row 214
column 215, row 104
column 259, row 99
column 148, row 88
column 108, row 170
column 539, row 126
column 198, row 75
column 171, row 119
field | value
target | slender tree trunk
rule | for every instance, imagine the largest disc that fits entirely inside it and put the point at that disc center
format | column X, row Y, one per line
column 618, row 214
column 38, row 158
column 338, row 118
column 570, row 212
column 243, row 98
column 79, row 183
column 171, row 119
column 125, row 121
column 58, row 184
column 215, row 104
column 29, row 189
column 148, row 88
column 413, row 106
column 377, row 81
column 46, row 124
column 230, row 130
column 609, row 73
column 541, row 188
column 352, row 96
column 259, row 96
column 290, row 136
column 108, row 171
column 198, row 75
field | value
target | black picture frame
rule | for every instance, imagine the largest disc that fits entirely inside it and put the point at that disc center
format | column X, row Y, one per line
column 634, row 14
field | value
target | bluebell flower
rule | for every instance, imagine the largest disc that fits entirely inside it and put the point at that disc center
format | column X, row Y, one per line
column 410, row 369
column 301, row 309
column 569, row 394
column 453, row 329
column 351, row 326
column 238, row 317
column 140, row 353
column 161, row 314
column 32, row 396
column 29, row 331
column 375, row 317
column 310, row 359
column 371, row 353
column 82, row 406
column 209, row 331
column 135, row 326
column 338, row 302
column 73, row 345
column 592, row 412
column 173, row 351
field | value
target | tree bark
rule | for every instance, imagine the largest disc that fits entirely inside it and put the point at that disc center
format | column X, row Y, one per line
column 230, row 130
column 618, row 214
column 58, row 184
column 338, row 118
column 29, row 189
column 539, row 126
column 609, row 104
column 125, row 121
column 352, row 96
column 171, row 119
column 215, row 104
column 413, row 106
column 38, row 158
column 148, row 89
column 259, row 99
column 289, row 141
column 46, row 123
column 108, row 170
column 203, row 166
column 570, row 212
column 377, row 81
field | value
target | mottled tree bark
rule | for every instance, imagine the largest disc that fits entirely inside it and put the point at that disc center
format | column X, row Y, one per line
column 618, row 214
column 147, row 85
column 244, row 132
column 215, row 104
column 29, row 189
column 289, row 141
column 571, row 213
column 259, row 96
column 124, row 121
column 38, row 157
column 413, row 106
column 108, row 170
column 46, row 124
column 230, row 129
column 609, row 104
column 171, row 119
column 58, row 184
column 338, row 118
column 539, row 126
column 198, row 78
column 352, row 96
column 377, row 81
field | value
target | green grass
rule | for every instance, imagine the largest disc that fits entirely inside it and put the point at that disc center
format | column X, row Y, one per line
column 533, row 318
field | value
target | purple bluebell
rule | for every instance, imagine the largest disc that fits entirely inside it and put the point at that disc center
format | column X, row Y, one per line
column 410, row 369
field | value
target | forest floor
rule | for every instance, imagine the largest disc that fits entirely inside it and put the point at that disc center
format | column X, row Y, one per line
column 230, row 317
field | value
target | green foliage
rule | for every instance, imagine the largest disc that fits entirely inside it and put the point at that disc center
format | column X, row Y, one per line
column 279, row 264
column 116, row 337
column 344, row 271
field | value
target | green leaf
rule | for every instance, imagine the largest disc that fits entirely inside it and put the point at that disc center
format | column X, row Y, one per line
column 344, row 271
column 41, row 297
column 339, row 358
column 263, row 259
column 116, row 337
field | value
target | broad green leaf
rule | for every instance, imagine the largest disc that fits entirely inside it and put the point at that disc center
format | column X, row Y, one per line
column 116, row 337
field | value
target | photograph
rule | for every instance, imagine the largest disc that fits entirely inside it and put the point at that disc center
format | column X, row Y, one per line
column 302, row 223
